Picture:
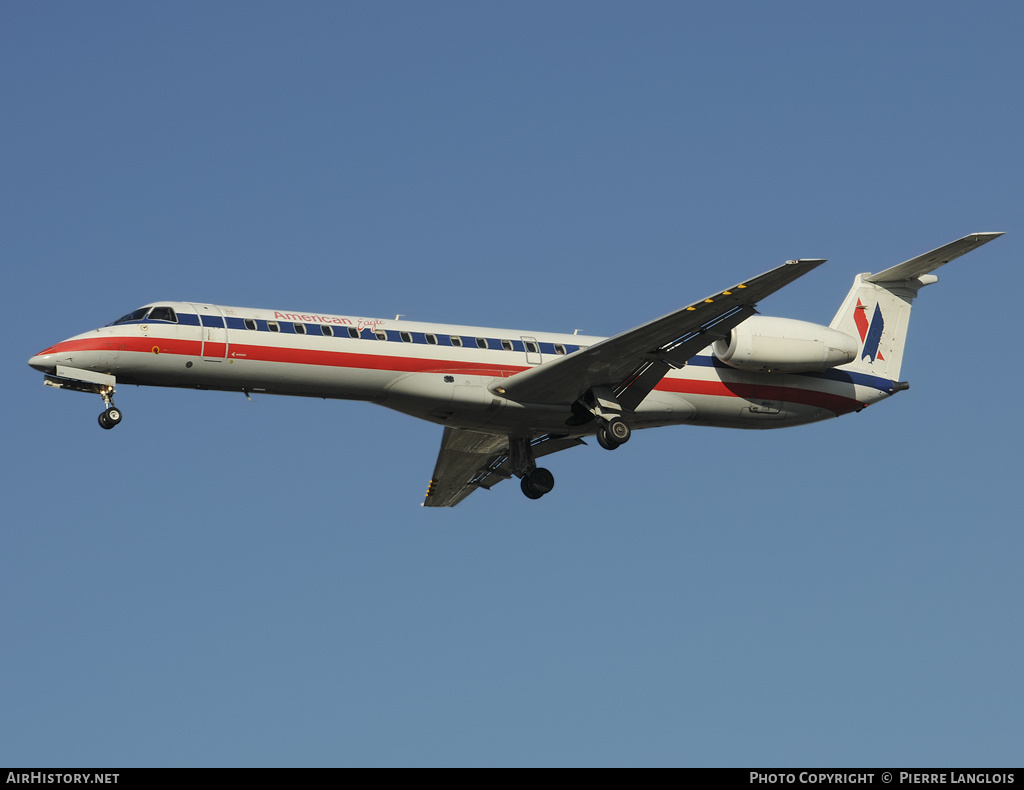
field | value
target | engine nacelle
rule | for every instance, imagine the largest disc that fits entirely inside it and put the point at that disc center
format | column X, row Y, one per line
column 764, row 344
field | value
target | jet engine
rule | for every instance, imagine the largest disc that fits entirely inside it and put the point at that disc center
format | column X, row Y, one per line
column 764, row 344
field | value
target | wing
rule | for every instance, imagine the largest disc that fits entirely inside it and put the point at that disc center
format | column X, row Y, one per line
column 470, row 460
column 632, row 363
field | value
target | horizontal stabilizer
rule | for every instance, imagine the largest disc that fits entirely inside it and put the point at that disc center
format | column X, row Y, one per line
column 877, row 308
column 922, row 264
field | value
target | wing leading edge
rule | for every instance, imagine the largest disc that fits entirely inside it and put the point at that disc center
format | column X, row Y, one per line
column 632, row 363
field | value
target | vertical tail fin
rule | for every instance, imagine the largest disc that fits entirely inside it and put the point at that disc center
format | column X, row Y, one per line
column 878, row 314
column 877, row 308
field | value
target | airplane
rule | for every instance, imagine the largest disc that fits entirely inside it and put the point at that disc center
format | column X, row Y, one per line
column 508, row 397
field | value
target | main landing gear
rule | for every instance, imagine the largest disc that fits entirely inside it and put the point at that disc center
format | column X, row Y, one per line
column 535, row 481
column 612, row 433
column 601, row 404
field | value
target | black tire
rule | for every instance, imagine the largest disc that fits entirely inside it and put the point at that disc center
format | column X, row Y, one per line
column 104, row 422
column 618, row 431
column 604, row 439
column 113, row 415
column 524, row 484
column 537, row 483
column 541, row 480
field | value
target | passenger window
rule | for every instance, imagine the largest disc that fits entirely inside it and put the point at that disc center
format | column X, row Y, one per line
column 273, row 326
column 481, row 342
column 531, row 347
column 559, row 349
column 381, row 334
column 163, row 314
column 432, row 339
column 506, row 344
column 456, row 341
column 353, row 333
column 249, row 323
column 406, row 337
column 328, row 331
column 300, row 329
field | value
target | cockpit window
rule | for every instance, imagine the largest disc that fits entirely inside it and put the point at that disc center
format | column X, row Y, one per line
column 137, row 315
column 163, row 314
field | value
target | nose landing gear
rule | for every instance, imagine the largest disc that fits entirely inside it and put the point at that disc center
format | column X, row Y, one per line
column 112, row 416
column 101, row 384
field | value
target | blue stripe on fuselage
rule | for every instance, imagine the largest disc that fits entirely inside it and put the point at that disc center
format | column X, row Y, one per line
column 842, row 376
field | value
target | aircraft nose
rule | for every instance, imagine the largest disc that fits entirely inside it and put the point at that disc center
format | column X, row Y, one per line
column 43, row 362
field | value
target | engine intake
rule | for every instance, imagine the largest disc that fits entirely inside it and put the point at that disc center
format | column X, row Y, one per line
column 764, row 344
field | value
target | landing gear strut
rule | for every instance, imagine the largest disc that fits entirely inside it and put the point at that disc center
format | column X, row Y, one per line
column 101, row 384
column 535, row 481
column 112, row 416
column 601, row 404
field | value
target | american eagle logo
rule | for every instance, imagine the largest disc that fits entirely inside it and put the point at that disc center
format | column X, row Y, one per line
column 870, row 335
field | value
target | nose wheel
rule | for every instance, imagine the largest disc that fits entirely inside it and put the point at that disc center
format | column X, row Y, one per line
column 110, row 417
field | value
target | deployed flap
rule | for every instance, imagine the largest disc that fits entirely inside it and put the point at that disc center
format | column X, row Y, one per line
column 922, row 264
column 632, row 363
column 469, row 460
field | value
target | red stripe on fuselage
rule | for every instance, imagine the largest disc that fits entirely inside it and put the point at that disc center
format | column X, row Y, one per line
column 285, row 355
column 188, row 348
column 838, row 404
column 344, row 359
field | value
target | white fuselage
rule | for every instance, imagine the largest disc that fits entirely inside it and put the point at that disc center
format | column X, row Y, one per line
column 442, row 373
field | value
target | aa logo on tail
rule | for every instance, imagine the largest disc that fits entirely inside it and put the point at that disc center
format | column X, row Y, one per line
column 871, row 335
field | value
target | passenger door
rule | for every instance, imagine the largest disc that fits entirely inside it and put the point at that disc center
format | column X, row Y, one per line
column 214, row 332
column 533, row 357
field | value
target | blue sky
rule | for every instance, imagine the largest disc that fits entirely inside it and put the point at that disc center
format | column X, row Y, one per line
column 218, row 582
